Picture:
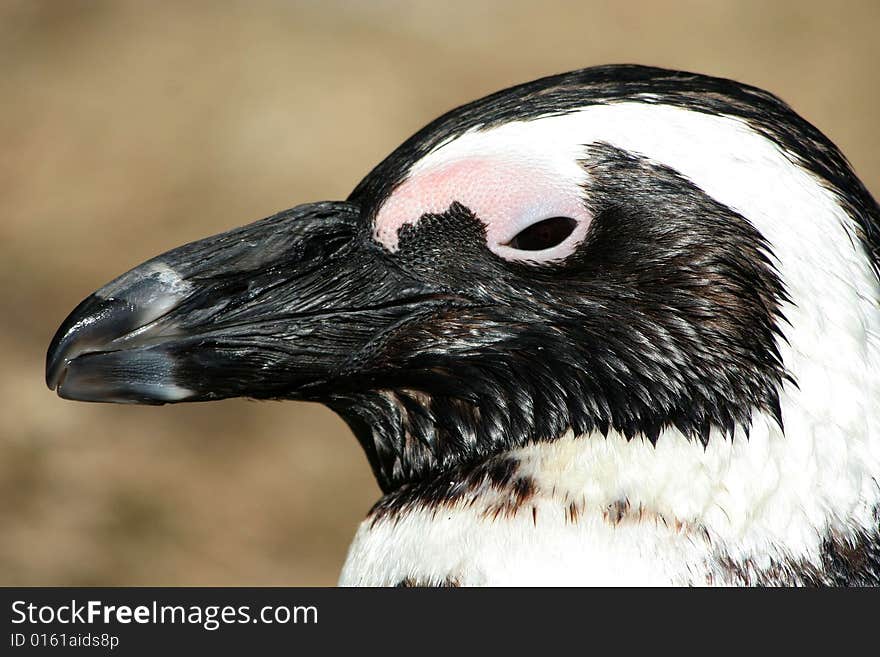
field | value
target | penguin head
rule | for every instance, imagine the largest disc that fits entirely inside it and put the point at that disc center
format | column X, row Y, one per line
column 613, row 249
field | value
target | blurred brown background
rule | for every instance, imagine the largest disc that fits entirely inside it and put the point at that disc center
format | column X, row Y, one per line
column 127, row 128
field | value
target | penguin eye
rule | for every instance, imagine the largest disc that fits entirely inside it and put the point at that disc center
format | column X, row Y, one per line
column 531, row 212
column 544, row 234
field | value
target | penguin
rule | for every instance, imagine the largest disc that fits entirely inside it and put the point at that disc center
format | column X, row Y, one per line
column 617, row 326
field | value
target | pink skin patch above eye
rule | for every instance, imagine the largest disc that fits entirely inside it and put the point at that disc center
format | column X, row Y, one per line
column 506, row 195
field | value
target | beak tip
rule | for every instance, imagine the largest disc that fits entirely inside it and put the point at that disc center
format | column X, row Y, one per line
column 56, row 361
column 91, row 327
column 52, row 377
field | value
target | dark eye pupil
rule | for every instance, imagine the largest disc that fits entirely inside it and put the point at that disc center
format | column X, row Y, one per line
column 544, row 234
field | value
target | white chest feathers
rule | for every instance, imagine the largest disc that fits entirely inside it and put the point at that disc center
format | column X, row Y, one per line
column 769, row 509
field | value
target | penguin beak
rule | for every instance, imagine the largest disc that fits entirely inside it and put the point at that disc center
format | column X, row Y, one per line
column 276, row 309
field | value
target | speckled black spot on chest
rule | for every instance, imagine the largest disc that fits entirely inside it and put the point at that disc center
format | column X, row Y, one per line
column 851, row 561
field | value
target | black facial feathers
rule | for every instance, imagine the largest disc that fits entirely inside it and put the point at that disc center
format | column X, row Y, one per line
column 665, row 316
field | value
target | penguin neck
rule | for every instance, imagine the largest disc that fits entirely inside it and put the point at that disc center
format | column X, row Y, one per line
column 746, row 509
